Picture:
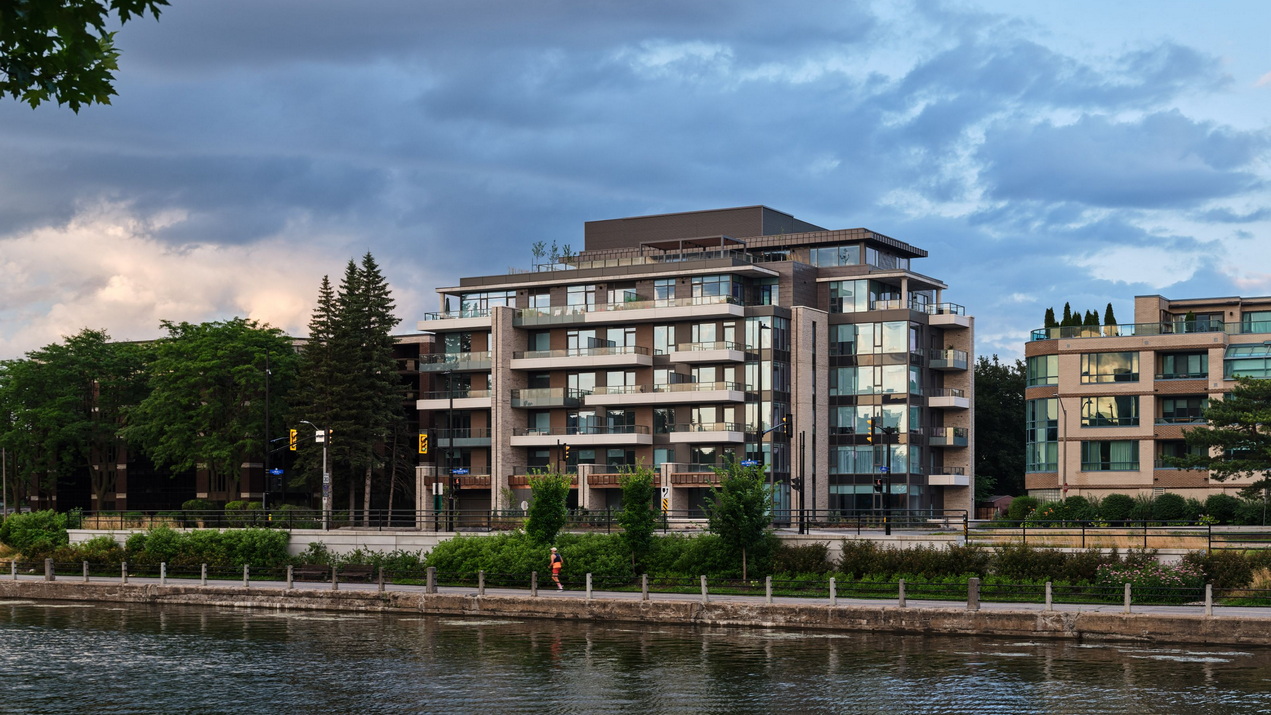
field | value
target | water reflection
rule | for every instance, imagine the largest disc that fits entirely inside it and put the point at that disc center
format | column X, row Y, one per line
column 77, row 658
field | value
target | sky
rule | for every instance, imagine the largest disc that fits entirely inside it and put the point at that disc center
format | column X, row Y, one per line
column 1042, row 153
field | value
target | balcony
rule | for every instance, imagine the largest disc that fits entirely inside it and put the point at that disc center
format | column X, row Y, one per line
column 455, row 320
column 718, row 351
column 458, row 399
column 1182, row 376
column 1133, row 330
column 676, row 393
column 582, row 358
column 462, row 437
column 543, row 397
column 948, row 360
column 948, row 398
column 713, row 306
column 948, row 437
column 457, row 362
column 583, row 436
column 949, row 477
column 945, row 315
column 708, row 432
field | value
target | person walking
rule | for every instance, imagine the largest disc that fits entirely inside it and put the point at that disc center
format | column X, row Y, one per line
column 557, row 565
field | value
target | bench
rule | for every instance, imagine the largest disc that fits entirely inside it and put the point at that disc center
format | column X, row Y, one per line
column 357, row 572
column 311, row 572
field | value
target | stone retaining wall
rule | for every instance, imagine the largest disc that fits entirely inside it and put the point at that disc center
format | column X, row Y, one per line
column 1145, row 627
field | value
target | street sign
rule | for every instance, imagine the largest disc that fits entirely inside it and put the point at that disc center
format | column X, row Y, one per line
column 884, row 470
column 326, row 478
column 525, row 505
column 275, row 471
column 749, row 462
column 459, row 470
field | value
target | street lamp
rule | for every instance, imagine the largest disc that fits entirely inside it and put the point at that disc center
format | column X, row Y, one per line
column 450, row 445
column 889, row 433
column 326, row 475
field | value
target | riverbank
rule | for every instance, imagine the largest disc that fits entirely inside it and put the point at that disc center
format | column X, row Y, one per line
column 1152, row 625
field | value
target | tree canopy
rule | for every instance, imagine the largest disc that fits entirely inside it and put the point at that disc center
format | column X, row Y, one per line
column 739, row 508
column 61, row 51
column 1236, row 441
column 1000, row 436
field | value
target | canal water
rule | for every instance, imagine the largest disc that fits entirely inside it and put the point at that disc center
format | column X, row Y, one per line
column 79, row 658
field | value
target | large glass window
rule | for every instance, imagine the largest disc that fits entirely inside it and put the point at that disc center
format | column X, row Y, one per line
column 1183, row 366
column 1183, row 409
column 1112, row 411
column 479, row 303
column 1247, row 361
column 1110, row 456
column 710, row 286
column 1109, row 367
column 581, row 297
column 1255, row 321
column 1041, row 424
column 1043, row 370
column 831, row 256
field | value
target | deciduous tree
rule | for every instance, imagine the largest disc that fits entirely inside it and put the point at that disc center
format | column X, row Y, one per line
column 739, row 509
column 999, row 427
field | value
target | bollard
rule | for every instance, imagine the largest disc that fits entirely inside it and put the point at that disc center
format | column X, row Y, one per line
column 973, row 594
column 900, row 594
column 644, row 587
column 481, row 583
column 589, row 586
column 430, row 585
column 13, row 570
column 335, row 578
column 767, row 589
column 1127, row 598
column 246, row 577
column 48, row 570
column 705, row 597
column 123, row 572
column 1209, row 599
column 834, row 592
column 203, row 575
column 163, row 573
column 85, row 572
column 381, row 580
column 1050, row 597
column 291, row 576
column 534, row 583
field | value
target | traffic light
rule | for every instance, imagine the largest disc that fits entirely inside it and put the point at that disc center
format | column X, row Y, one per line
column 566, row 454
column 870, row 437
column 878, row 486
column 423, row 443
column 787, row 427
column 291, row 439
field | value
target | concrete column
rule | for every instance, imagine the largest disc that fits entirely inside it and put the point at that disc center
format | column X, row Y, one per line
column 533, row 583
column 767, row 589
column 335, row 578
column 1209, row 599
column 834, row 592
column 588, row 586
column 163, row 573
column 247, row 583
column 48, row 570
column 900, row 594
column 480, row 582
column 430, row 583
column 381, row 580
column 85, row 572
column 705, row 596
column 1127, row 598
column 13, row 570
column 1050, row 597
column 203, row 575
column 290, row 575
column 123, row 572
column 644, row 587
column 973, row 594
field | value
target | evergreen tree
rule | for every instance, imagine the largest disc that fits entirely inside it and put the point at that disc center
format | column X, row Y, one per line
column 1109, row 318
column 320, row 382
column 1067, row 315
column 1092, row 319
column 1050, row 319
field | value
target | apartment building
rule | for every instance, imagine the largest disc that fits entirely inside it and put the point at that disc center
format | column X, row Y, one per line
column 682, row 341
column 1106, row 405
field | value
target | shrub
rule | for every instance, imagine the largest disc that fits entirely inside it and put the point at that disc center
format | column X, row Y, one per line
column 1195, row 509
column 1116, row 507
column 802, row 559
column 1169, row 507
column 1080, row 509
column 1018, row 562
column 1020, row 508
column 1224, row 569
column 35, row 534
column 1249, row 512
column 1222, row 507
column 1150, row 576
column 547, row 506
column 1142, row 508
column 297, row 517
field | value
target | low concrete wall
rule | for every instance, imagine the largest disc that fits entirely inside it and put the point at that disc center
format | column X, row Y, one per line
column 339, row 541
column 1134, row 627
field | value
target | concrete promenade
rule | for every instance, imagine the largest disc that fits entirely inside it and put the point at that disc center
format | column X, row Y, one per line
column 1166, row 624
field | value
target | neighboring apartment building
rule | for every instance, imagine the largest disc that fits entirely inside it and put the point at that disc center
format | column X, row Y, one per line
column 683, row 341
column 1106, row 405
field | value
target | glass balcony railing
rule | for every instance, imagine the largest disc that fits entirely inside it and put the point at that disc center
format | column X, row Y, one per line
column 454, row 314
column 440, row 362
column 709, row 427
column 559, row 313
column 1133, row 329
column 581, row 352
column 945, row 392
column 714, row 345
column 582, row 430
column 457, row 394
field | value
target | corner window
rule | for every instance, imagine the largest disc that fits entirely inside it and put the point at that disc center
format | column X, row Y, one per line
column 1043, row 370
column 1109, row 367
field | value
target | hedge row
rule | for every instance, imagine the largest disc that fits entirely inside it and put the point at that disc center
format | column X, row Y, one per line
column 1167, row 507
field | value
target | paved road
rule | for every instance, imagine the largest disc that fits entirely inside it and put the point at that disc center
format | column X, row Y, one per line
column 576, row 593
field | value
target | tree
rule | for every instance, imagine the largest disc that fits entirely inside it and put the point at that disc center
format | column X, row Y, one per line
column 1109, row 318
column 549, row 495
column 739, row 509
column 320, row 379
column 1067, row 315
column 1236, row 440
column 1049, row 320
column 1000, row 437
column 206, row 402
column 60, row 50
column 637, row 518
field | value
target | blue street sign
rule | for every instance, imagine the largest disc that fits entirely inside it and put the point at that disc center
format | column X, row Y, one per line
column 275, row 471
column 459, row 470
column 883, row 469
column 749, row 462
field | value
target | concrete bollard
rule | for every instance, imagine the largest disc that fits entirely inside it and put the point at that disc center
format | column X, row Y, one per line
column 1209, row 599
column 246, row 577
column 767, row 589
column 381, row 579
column 481, row 583
column 1127, row 598
column 834, row 592
column 588, row 586
column 203, row 575
column 973, row 594
column 705, row 596
column 85, row 572
column 900, row 594
column 430, row 583
column 644, row 587
column 534, row 584
column 48, row 570
column 13, row 570
column 123, row 572
column 163, row 573
column 1050, row 597
column 335, row 578
column 291, row 576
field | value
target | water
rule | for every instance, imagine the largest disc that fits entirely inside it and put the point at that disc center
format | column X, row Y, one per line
column 59, row 657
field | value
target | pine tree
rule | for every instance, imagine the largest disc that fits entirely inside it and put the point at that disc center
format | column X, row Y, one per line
column 1050, row 318
column 1067, row 316
column 1092, row 318
column 1109, row 318
column 321, row 379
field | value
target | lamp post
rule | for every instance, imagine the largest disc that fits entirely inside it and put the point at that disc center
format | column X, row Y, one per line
column 888, row 438
column 450, row 446
column 1061, row 433
column 326, row 475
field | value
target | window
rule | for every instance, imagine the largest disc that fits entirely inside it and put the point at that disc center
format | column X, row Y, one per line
column 711, row 286
column 1183, row 366
column 1247, row 361
column 1183, row 409
column 580, row 297
column 476, row 304
column 458, row 343
column 1255, row 321
column 1110, row 456
column 664, row 289
column 767, row 292
column 861, row 295
column 539, row 340
column 853, row 459
column 1114, row 411
column 836, row 256
column 1043, row 370
column 1041, row 425
column 1109, row 367
column 1174, row 449
column 663, row 420
column 540, row 299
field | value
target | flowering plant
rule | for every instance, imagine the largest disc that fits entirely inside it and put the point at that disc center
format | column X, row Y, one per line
column 1150, row 576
